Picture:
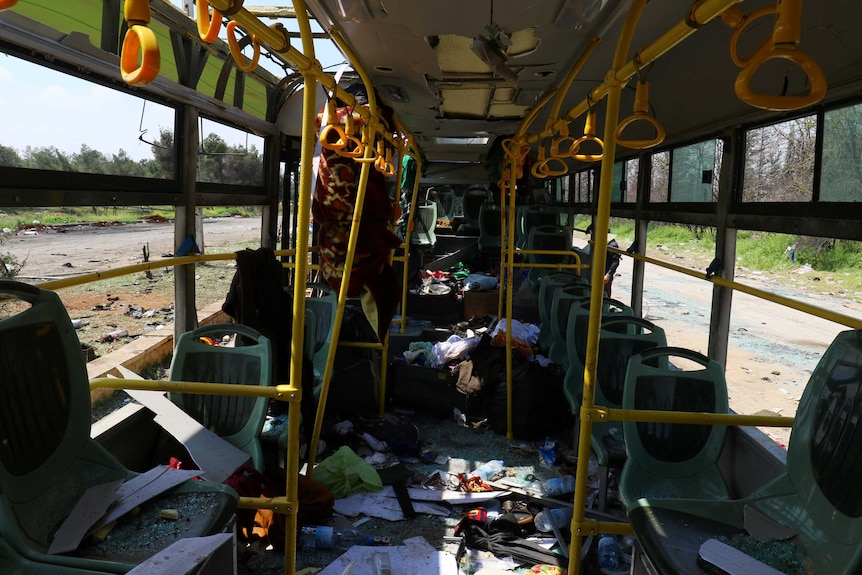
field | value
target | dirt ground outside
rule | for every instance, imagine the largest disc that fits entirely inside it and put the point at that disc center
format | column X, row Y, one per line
column 135, row 303
column 772, row 350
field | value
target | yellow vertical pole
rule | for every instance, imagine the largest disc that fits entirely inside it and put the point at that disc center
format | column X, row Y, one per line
column 309, row 114
column 597, row 278
column 508, row 252
column 348, row 260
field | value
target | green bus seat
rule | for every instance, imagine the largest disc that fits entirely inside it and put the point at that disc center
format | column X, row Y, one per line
column 548, row 237
column 490, row 227
column 576, row 344
column 248, row 361
column 324, row 307
column 818, row 498
column 532, row 216
column 548, row 286
column 673, row 459
column 48, row 460
column 622, row 336
column 564, row 299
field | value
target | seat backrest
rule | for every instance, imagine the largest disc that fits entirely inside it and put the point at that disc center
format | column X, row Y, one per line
column 654, row 381
column 825, row 449
column 548, row 286
column 578, row 324
column 201, row 355
column 323, row 306
column 474, row 199
column 621, row 338
column 564, row 299
column 490, row 226
column 548, row 237
column 425, row 222
column 44, row 393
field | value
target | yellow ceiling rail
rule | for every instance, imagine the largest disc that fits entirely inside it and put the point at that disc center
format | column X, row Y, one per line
column 139, row 40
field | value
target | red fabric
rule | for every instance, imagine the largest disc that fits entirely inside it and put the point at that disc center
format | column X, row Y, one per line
column 333, row 210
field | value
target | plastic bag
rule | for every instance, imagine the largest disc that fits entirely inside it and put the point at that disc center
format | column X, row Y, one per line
column 344, row 473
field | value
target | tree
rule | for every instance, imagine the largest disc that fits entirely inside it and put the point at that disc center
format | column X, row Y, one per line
column 9, row 157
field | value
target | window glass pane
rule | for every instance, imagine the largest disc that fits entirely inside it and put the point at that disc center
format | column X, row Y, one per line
column 53, row 121
column 631, row 191
column 229, row 156
column 841, row 174
column 619, row 183
column 659, row 178
column 693, row 173
column 583, row 191
column 779, row 162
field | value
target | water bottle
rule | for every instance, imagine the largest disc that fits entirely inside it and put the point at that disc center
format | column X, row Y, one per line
column 609, row 553
column 553, row 486
column 325, row 537
column 562, row 517
column 489, row 470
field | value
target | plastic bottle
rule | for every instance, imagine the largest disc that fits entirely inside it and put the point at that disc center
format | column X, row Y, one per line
column 562, row 516
column 553, row 486
column 325, row 537
column 488, row 470
column 609, row 553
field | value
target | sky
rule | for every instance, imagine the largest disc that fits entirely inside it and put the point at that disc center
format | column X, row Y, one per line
column 40, row 108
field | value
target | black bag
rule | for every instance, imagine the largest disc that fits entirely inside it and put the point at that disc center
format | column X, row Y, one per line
column 542, row 408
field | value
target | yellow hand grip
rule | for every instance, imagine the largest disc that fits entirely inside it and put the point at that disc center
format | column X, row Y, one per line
column 563, row 141
column 734, row 38
column 235, row 51
column 787, row 23
column 542, row 169
column 505, row 181
column 589, row 136
column 368, row 137
column 6, row 4
column 641, row 109
column 353, row 147
column 332, row 125
column 389, row 167
column 207, row 28
column 511, row 148
column 137, row 12
column 778, row 103
column 139, row 39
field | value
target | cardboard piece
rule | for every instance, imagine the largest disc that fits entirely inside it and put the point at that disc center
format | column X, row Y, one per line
column 90, row 507
column 730, row 560
column 142, row 488
column 216, row 458
column 415, row 556
column 216, row 553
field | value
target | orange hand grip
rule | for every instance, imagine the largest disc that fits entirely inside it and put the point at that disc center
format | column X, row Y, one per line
column 6, row 4
column 816, row 80
column 734, row 38
column 137, row 12
column 641, row 109
column 207, row 28
column 356, row 150
column 589, row 136
column 139, row 39
column 389, row 167
column 733, row 16
column 235, row 51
